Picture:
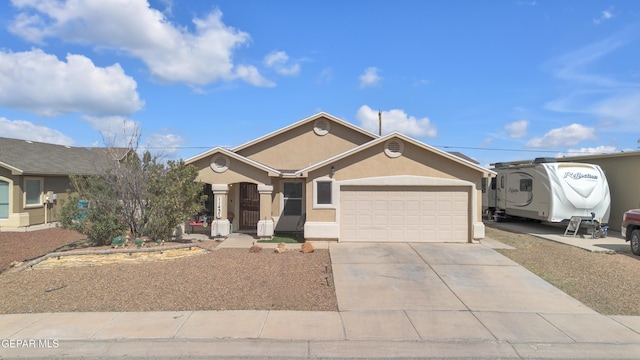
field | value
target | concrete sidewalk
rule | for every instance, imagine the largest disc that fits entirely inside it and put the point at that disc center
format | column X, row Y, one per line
column 613, row 243
column 395, row 301
column 285, row 334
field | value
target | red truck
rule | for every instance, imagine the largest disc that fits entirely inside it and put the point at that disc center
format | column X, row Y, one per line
column 631, row 229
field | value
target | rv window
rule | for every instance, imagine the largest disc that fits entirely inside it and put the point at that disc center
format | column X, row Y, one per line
column 526, row 184
column 493, row 183
column 484, row 185
column 502, row 182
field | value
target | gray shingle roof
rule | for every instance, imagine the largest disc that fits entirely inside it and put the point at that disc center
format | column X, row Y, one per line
column 36, row 158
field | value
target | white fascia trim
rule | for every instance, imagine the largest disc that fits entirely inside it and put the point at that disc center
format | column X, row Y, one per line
column 271, row 171
column 203, row 155
column 303, row 121
column 444, row 153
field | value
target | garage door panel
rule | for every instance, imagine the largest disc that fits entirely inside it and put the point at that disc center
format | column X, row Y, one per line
column 396, row 214
column 364, row 219
column 412, row 220
column 381, row 205
column 381, row 220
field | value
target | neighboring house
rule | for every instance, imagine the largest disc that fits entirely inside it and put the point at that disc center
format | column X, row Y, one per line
column 336, row 181
column 623, row 171
column 34, row 178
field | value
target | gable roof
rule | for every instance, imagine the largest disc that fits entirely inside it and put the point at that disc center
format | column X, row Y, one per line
column 398, row 135
column 302, row 122
column 24, row 157
column 231, row 154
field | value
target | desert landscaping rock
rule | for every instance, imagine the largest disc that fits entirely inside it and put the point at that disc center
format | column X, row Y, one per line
column 235, row 279
column 116, row 258
column 224, row 279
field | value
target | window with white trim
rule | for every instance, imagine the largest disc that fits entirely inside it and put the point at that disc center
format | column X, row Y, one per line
column 292, row 198
column 33, row 192
column 323, row 193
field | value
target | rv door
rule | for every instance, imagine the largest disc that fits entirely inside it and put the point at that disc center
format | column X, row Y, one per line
column 501, row 191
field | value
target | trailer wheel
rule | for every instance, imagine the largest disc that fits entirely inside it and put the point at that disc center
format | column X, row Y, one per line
column 635, row 242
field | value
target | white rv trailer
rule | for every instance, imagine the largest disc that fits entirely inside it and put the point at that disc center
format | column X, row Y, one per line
column 547, row 191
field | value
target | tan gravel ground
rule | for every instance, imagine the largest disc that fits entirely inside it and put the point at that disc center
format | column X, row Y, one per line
column 607, row 283
column 234, row 279
column 20, row 246
column 224, row 279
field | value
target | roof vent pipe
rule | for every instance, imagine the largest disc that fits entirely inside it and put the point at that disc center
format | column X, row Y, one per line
column 379, row 122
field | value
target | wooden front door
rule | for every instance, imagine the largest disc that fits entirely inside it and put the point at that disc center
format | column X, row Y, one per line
column 249, row 206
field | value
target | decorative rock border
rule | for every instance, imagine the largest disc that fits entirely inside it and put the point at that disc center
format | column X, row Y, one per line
column 32, row 263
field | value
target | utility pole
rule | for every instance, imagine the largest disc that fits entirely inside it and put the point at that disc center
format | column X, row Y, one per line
column 379, row 122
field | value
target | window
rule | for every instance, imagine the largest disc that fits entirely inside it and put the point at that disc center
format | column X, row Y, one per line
column 4, row 200
column 323, row 192
column 502, row 182
column 292, row 193
column 33, row 192
column 526, row 184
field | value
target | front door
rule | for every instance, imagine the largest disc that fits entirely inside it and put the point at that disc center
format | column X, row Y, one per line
column 249, row 206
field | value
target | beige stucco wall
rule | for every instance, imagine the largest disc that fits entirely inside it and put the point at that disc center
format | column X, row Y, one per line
column 301, row 147
column 622, row 172
column 238, row 172
column 374, row 163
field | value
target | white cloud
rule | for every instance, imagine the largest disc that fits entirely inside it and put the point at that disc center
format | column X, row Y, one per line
column 603, row 149
column 164, row 145
column 173, row 53
column 604, row 16
column 395, row 120
column 563, row 137
column 279, row 60
column 25, row 130
column 116, row 131
column 39, row 82
column 370, row 77
column 517, row 129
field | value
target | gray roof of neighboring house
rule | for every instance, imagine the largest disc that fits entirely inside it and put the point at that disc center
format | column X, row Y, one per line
column 35, row 158
column 463, row 156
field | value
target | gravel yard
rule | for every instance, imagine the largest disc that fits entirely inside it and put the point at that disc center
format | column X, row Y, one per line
column 234, row 279
column 225, row 279
column 607, row 283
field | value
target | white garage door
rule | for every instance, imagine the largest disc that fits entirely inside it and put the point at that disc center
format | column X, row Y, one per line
column 404, row 214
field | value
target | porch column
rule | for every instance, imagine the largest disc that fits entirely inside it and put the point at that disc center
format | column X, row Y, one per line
column 220, row 224
column 265, row 224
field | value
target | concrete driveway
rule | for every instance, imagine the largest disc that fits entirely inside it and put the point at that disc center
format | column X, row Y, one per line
column 388, row 276
column 456, row 291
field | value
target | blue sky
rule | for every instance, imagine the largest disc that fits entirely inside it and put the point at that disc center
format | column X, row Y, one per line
column 495, row 80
